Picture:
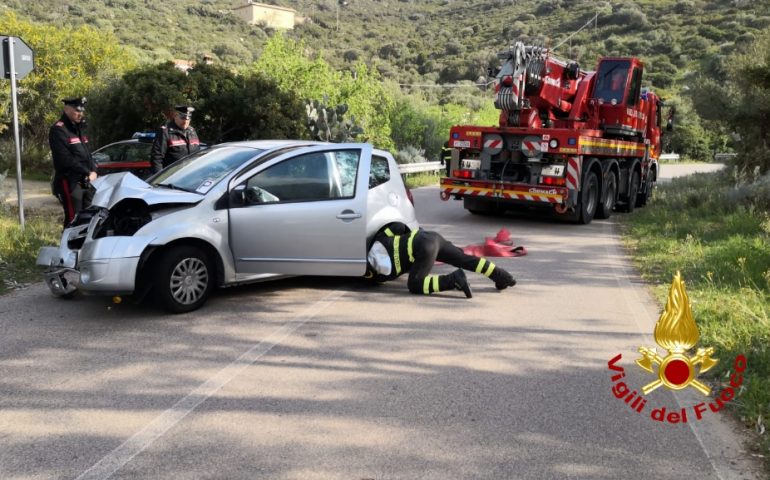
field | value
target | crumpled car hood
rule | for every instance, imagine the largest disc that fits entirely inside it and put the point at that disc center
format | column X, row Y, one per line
column 113, row 188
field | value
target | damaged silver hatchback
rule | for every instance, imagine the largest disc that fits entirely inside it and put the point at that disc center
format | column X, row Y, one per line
column 236, row 213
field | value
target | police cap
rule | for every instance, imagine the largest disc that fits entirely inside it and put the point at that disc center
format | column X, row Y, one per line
column 78, row 103
column 184, row 111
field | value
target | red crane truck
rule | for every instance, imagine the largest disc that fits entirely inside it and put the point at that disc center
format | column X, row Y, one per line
column 581, row 143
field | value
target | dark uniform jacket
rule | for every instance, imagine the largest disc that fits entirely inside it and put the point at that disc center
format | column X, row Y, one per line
column 71, row 156
column 397, row 240
column 171, row 143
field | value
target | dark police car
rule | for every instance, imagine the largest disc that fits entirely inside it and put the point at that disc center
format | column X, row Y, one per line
column 126, row 156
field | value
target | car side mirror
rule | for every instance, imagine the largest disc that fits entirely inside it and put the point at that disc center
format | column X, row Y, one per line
column 238, row 196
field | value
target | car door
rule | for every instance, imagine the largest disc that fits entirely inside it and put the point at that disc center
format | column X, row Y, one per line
column 110, row 159
column 137, row 159
column 303, row 213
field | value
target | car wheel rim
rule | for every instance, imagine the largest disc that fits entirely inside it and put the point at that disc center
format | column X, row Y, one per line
column 189, row 281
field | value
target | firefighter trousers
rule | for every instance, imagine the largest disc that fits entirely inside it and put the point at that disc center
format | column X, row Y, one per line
column 430, row 247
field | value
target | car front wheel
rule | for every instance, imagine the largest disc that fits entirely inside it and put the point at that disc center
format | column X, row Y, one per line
column 184, row 279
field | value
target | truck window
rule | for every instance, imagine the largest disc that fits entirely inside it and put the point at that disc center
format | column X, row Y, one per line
column 611, row 80
column 636, row 86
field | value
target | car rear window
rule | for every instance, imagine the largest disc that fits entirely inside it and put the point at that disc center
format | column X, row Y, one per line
column 380, row 171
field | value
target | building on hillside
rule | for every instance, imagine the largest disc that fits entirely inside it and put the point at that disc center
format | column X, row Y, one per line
column 183, row 65
column 271, row 15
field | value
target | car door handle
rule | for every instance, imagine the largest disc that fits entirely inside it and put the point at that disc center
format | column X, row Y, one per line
column 348, row 215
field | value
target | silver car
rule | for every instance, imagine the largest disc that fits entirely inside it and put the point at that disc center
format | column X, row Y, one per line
column 236, row 213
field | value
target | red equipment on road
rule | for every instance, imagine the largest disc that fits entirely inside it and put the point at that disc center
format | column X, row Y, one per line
column 578, row 142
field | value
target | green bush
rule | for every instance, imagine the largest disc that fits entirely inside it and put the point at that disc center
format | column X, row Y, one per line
column 718, row 235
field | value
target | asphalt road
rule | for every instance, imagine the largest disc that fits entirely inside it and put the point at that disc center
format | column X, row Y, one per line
column 317, row 378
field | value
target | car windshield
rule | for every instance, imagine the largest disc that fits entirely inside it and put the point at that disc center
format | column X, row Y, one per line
column 202, row 170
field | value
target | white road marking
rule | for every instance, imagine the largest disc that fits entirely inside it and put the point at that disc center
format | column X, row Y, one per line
column 116, row 459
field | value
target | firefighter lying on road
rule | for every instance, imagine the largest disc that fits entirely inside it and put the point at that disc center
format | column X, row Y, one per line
column 398, row 250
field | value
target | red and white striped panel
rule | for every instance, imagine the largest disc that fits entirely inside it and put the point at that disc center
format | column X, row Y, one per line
column 505, row 194
column 531, row 198
column 573, row 173
column 530, row 147
column 493, row 143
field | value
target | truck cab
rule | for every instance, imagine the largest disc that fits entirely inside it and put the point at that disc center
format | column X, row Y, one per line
column 617, row 92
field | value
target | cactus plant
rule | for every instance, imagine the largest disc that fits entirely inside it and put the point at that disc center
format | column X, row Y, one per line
column 328, row 123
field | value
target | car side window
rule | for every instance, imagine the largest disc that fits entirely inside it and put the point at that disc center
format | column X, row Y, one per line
column 380, row 171
column 310, row 177
column 138, row 152
column 115, row 153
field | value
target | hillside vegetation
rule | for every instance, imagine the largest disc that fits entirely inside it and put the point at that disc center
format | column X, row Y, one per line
column 430, row 53
column 430, row 40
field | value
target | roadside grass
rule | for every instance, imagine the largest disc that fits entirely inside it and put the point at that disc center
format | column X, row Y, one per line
column 18, row 249
column 415, row 180
column 718, row 236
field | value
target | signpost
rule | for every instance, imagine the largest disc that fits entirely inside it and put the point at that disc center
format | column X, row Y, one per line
column 16, row 62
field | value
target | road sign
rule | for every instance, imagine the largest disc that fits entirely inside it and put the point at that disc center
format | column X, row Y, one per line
column 23, row 58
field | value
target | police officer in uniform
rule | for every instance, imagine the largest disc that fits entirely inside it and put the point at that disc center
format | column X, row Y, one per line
column 397, row 250
column 174, row 140
column 74, row 168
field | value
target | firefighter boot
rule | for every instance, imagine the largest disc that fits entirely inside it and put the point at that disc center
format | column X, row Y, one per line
column 461, row 282
column 502, row 279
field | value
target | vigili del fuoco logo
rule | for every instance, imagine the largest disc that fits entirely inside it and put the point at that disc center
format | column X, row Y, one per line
column 677, row 333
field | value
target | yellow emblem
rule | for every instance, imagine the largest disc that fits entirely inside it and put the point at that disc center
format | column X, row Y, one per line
column 676, row 332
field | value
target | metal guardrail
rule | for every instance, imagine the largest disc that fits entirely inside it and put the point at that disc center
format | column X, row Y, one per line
column 669, row 157
column 723, row 157
column 420, row 167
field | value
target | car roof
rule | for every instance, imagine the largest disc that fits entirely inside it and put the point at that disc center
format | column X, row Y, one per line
column 270, row 144
column 121, row 142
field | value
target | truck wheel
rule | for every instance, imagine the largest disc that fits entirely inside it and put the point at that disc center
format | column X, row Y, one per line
column 631, row 201
column 644, row 197
column 184, row 278
column 610, row 192
column 589, row 198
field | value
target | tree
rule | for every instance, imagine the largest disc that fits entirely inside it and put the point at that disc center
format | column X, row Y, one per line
column 69, row 62
column 284, row 60
column 141, row 100
column 228, row 106
column 741, row 103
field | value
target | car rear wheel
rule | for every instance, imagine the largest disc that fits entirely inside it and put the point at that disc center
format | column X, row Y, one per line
column 183, row 279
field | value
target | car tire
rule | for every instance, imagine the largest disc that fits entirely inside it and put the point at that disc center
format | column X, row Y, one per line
column 183, row 279
column 610, row 193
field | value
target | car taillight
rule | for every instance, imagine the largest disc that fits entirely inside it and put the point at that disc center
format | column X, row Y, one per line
column 464, row 173
column 409, row 195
